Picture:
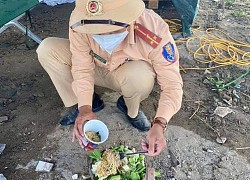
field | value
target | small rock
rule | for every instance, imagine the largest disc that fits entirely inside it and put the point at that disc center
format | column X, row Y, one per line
column 246, row 108
column 10, row 100
column 209, row 151
column 3, row 101
column 228, row 102
column 3, row 119
column 221, row 140
column 44, row 166
column 220, row 103
column 222, row 111
column 2, row 177
column 207, row 72
column 38, row 95
column 30, row 164
column 75, row 177
column 220, row 16
column 48, row 159
column 206, row 81
column 224, row 158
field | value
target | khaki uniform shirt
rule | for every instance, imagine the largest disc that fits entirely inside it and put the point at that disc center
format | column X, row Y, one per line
column 133, row 48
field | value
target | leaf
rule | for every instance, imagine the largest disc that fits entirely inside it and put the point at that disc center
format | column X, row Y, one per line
column 140, row 170
column 158, row 174
column 96, row 154
column 141, row 158
column 134, row 176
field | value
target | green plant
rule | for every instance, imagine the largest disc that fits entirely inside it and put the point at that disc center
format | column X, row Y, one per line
column 229, row 2
column 224, row 81
column 238, row 13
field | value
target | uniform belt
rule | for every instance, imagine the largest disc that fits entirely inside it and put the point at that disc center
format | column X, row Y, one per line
column 111, row 22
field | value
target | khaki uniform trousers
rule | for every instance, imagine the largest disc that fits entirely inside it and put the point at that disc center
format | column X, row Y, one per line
column 134, row 79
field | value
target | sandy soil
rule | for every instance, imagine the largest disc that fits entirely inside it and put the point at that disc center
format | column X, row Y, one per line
column 34, row 108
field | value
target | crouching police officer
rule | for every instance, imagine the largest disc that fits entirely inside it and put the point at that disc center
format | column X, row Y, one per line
column 117, row 44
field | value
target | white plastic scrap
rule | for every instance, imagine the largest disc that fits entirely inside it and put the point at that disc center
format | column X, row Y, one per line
column 44, row 166
column 56, row 2
column 75, row 177
column 223, row 111
column 221, row 140
column 3, row 119
column 2, row 177
column 86, row 177
column 2, row 147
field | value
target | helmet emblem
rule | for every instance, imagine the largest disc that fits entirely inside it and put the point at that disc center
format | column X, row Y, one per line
column 94, row 8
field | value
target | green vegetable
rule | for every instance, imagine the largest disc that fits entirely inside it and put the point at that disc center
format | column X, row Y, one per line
column 134, row 170
column 157, row 174
column 134, row 176
column 117, row 177
column 96, row 154
column 126, row 167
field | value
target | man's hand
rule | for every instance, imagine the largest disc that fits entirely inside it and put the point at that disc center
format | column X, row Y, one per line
column 85, row 114
column 156, row 141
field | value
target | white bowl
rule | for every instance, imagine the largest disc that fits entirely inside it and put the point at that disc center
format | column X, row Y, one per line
column 96, row 126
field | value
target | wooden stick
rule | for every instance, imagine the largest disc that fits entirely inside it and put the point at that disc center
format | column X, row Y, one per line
column 195, row 111
column 242, row 148
column 218, row 134
column 245, row 94
column 183, row 69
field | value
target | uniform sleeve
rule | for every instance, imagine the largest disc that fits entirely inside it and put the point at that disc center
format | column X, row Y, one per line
column 82, row 68
column 165, row 61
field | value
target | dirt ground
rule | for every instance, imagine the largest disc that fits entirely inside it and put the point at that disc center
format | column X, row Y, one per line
column 33, row 107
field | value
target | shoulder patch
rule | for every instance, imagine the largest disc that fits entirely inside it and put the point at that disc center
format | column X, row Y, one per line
column 168, row 52
column 148, row 36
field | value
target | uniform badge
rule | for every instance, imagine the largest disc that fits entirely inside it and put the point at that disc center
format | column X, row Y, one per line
column 98, row 57
column 168, row 52
column 148, row 36
column 94, row 8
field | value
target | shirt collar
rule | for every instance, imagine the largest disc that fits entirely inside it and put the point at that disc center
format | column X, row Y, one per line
column 130, row 39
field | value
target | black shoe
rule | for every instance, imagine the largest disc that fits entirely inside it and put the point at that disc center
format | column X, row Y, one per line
column 70, row 117
column 140, row 122
column 121, row 105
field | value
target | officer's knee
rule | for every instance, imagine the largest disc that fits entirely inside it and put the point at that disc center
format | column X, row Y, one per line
column 141, row 84
column 46, row 47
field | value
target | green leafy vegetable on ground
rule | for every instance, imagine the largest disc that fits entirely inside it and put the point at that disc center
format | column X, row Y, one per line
column 130, row 168
column 96, row 155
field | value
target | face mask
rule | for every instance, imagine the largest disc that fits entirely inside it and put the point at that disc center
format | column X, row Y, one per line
column 110, row 41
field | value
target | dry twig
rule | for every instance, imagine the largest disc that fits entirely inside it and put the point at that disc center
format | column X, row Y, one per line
column 218, row 134
column 242, row 148
column 244, row 94
column 195, row 111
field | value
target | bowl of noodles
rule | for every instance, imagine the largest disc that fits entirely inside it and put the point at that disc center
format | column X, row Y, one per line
column 95, row 133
